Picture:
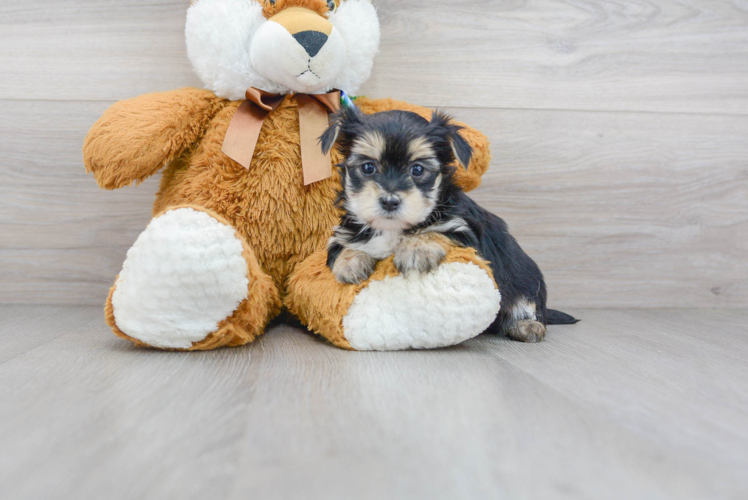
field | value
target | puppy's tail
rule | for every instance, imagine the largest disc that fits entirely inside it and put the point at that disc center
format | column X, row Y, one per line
column 554, row 317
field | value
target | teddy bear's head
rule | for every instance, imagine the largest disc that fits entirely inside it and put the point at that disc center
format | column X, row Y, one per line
column 282, row 46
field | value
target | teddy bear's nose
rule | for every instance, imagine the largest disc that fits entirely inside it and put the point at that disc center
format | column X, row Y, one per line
column 307, row 27
column 311, row 40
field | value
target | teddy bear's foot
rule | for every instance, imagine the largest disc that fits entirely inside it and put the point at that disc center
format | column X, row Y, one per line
column 190, row 282
column 455, row 302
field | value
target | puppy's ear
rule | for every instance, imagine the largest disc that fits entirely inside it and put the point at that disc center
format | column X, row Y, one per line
column 344, row 121
column 330, row 137
column 461, row 150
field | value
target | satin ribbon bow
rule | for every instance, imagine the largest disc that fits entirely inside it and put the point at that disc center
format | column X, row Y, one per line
column 244, row 129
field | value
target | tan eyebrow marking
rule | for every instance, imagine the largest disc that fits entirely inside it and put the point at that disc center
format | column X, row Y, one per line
column 370, row 144
column 420, row 148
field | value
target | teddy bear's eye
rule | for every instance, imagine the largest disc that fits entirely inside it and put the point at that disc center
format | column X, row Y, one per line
column 332, row 5
column 271, row 2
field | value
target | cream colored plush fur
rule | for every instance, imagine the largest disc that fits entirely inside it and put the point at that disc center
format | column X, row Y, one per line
column 232, row 46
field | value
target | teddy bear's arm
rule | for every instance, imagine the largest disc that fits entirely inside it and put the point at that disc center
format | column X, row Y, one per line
column 136, row 137
column 481, row 159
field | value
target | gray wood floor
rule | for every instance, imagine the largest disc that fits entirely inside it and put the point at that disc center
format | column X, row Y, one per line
column 627, row 404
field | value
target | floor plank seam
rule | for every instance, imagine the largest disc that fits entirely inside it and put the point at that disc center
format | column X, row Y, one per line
column 47, row 341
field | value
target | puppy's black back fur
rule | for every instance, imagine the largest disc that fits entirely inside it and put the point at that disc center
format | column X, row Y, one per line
column 517, row 275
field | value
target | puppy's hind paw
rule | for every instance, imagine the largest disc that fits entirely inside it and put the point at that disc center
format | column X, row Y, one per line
column 419, row 253
column 353, row 266
column 526, row 330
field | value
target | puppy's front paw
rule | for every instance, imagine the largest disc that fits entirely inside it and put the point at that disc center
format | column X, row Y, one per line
column 421, row 253
column 353, row 266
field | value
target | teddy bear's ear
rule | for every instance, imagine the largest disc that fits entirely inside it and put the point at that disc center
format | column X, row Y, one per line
column 462, row 151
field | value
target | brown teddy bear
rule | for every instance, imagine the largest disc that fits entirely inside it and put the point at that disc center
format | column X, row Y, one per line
column 247, row 199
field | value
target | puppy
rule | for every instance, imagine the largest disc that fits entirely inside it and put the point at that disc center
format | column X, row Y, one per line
column 399, row 198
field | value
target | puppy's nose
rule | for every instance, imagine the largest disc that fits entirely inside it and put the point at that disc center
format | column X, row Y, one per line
column 312, row 41
column 389, row 203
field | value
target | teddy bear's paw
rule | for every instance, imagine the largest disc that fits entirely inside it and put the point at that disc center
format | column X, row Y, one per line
column 184, row 275
column 453, row 303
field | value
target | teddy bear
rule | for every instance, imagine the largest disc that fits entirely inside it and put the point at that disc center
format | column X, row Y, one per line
column 247, row 198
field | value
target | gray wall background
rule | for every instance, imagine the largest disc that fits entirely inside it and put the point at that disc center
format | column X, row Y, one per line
column 619, row 133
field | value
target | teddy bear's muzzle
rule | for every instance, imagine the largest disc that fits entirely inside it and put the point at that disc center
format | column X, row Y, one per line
column 299, row 49
column 308, row 28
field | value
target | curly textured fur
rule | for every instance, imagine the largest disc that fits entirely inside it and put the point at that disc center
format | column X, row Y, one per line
column 321, row 302
column 248, row 321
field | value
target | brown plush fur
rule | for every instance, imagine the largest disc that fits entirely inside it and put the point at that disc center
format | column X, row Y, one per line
column 281, row 221
column 135, row 138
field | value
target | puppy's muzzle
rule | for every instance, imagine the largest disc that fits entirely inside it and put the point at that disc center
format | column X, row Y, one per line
column 389, row 203
column 307, row 27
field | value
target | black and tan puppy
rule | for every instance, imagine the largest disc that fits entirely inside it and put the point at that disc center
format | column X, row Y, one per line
column 399, row 199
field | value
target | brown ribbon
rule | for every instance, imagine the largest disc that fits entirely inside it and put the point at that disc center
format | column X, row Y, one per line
column 244, row 130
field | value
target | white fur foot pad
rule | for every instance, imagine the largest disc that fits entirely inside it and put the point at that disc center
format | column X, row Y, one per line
column 449, row 305
column 184, row 275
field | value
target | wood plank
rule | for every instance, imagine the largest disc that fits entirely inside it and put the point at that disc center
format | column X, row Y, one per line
column 46, row 193
column 62, row 239
column 90, row 416
column 26, row 327
column 670, row 55
column 619, row 209
column 651, row 55
column 626, row 404
column 624, row 209
column 457, row 423
column 92, row 49
column 60, row 276
column 667, row 355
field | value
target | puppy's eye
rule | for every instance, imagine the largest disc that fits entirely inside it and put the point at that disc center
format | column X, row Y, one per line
column 417, row 171
column 368, row 168
column 332, row 5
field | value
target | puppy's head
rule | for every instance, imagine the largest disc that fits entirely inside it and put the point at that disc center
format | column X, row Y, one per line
column 396, row 163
